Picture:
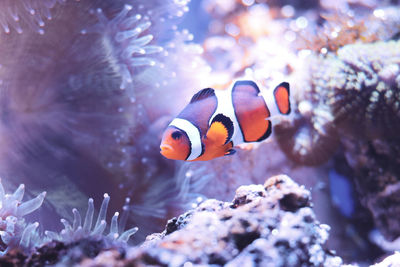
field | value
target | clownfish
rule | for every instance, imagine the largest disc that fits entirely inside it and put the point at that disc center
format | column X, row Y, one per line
column 217, row 120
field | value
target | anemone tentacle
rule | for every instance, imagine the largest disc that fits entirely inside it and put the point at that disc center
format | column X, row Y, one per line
column 75, row 231
column 14, row 231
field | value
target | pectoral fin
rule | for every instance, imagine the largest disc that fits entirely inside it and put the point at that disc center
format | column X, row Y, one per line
column 221, row 130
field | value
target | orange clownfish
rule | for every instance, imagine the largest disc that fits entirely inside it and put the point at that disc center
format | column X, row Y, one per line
column 217, row 120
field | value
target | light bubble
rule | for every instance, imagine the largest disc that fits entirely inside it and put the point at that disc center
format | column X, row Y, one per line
column 290, row 36
column 301, row 22
column 379, row 13
column 232, row 29
column 248, row 2
column 287, row 11
column 304, row 53
column 187, row 264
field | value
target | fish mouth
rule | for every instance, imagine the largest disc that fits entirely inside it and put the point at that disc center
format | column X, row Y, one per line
column 165, row 149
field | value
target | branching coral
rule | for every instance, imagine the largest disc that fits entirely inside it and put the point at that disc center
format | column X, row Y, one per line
column 14, row 231
column 345, row 27
column 76, row 231
column 339, row 30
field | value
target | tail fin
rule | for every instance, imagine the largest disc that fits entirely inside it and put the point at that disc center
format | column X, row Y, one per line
column 282, row 95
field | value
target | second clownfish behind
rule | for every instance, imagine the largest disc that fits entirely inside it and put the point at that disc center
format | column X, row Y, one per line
column 215, row 121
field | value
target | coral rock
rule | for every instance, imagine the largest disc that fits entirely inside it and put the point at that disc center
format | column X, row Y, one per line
column 393, row 260
column 271, row 225
column 376, row 175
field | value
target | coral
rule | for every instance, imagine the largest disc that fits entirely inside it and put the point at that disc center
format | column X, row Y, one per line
column 15, row 232
column 29, row 14
column 338, row 30
column 376, row 176
column 351, row 98
column 76, row 231
column 271, row 225
column 57, row 253
column 354, row 91
column 364, row 91
column 310, row 138
column 343, row 26
column 388, row 246
column 392, row 260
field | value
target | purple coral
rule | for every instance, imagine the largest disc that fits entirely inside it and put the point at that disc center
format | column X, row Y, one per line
column 14, row 231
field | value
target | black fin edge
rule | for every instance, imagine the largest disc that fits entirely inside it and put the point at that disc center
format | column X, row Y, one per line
column 202, row 94
column 264, row 136
column 287, row 87
column 247, row 82
column 230, row 152
column 227, row 122
column 267, row 132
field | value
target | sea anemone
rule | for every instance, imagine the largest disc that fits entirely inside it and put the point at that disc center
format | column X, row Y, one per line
column 14, row 231
column 76, row 231
column 124, row 42
column 355, row 91
column 71, row 121
column 31, row 14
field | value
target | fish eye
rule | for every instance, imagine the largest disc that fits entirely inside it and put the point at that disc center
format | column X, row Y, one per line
column 176, row 135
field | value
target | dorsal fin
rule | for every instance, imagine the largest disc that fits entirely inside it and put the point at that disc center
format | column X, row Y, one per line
column 228, row 124
column 246, row 86
column 202, row 94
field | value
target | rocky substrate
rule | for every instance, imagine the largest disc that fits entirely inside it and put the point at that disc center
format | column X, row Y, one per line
column 265, row 225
